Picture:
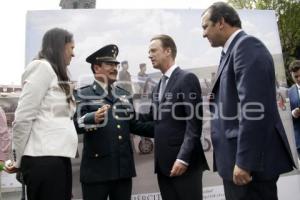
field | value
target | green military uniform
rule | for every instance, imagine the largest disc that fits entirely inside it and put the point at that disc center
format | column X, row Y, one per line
column 107, row 152
column 107, row 156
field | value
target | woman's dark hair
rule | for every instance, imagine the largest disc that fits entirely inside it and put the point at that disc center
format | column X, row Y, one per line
column 53, row 48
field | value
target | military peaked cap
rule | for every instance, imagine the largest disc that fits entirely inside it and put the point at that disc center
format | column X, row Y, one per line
column 107, row 53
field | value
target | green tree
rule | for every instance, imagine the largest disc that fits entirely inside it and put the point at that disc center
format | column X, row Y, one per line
column 288, row 19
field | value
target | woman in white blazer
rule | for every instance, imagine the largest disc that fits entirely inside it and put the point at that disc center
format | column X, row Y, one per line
column 44, row 136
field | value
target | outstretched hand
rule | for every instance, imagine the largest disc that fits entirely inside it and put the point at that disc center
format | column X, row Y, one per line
column 100, row 113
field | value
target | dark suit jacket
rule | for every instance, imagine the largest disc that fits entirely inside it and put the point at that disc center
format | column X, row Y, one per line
column 178, row 138
column 107, row 150
column 246, row 79
column 295, row 102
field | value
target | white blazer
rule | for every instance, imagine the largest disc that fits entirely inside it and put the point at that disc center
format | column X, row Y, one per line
column 43, row 123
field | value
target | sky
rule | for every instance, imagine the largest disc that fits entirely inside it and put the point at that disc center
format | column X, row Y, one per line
column 131, row 31
column 13, row 17
column 13, row 27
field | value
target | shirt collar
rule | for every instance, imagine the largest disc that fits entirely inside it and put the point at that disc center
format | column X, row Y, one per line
column 169, row 72
column 101, row 84
column 229, row 40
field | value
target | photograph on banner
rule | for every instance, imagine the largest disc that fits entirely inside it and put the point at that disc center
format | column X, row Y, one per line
column 131, row 31
column 9, row 95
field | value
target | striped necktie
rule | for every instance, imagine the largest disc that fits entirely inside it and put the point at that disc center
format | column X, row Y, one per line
column 163, row 83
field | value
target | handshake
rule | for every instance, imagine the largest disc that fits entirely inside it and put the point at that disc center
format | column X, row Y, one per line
column 100, row 113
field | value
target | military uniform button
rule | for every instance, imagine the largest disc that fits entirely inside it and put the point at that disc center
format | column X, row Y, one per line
column 117, row 117
column 96, row 155
column 114, row 107
column 120, row 137
column 118, row 126
column 95, row 128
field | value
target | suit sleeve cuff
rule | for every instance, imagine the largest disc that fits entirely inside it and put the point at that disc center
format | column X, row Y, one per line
column 294, row 114
column 89, row 118
column 183, row 162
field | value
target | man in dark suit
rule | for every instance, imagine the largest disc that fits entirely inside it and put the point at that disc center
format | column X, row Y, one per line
column 294, row 96
column 106, row 117
column 251, row 149
column 176, row 110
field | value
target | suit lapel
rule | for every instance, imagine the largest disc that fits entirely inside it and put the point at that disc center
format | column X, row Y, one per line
column 155, row 93
column 224, row 61
column 101, row 92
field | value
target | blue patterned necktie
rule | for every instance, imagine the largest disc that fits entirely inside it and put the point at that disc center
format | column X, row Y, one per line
column 163, row 84
column 222, row 57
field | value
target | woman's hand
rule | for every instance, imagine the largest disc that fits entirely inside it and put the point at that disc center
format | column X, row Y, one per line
column 10, row 167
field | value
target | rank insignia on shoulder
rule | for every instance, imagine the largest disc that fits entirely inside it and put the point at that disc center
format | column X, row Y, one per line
column 100, row 101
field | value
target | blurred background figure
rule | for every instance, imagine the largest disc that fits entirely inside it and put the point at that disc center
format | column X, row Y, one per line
column 124, row 79
column 4, row 142
column 294, row 96
column 146, row 83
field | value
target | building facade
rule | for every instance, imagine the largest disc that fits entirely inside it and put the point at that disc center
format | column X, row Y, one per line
column 77, row 4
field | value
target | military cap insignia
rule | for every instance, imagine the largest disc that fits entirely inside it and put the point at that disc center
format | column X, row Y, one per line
column 107, row 53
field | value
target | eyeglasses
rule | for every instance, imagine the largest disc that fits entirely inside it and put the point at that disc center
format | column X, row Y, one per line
column 111, row 64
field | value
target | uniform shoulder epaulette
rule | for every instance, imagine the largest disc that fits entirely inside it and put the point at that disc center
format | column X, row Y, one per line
column 123, row 90
column 84, row 88
column 82, row 91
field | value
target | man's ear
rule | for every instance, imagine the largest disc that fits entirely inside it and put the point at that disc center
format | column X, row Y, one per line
column 96, row 66
column 168, row 50
column 221, row 23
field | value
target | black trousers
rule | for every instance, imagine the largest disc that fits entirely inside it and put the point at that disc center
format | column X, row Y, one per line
column 298, row 150
column 185, row 187
column 116, row 190
column 47, row 177
column 255, row 190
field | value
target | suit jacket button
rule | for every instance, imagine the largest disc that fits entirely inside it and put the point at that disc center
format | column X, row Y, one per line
column 118, row 126
column 120, row 137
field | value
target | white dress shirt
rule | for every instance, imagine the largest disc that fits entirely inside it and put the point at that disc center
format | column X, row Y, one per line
column 229, row 40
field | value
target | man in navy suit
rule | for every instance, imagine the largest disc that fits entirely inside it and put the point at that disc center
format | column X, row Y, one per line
column 251, row 149
column 295, row 100
column 177, row 112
